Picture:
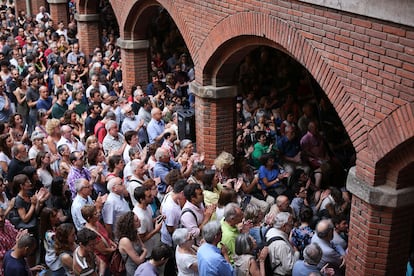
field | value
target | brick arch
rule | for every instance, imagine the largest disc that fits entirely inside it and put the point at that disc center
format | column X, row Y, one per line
column 392, row 141
column 87, row 6
column 226, row 39
column 133, row 19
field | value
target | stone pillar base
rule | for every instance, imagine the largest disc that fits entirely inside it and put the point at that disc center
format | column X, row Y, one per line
column 215, row 117
column 380, row 228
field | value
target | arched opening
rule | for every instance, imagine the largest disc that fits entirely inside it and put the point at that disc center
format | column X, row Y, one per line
column 280, row 85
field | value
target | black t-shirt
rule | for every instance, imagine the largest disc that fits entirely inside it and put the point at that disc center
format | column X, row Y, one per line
column 90, row 125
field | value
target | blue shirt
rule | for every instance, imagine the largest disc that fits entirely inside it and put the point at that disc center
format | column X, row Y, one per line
column 44, row 104
column 288, row 148
column 161, row 169
column 300, row 268
column 4, row 114
column 211, row 262
column 270, row 175
column 154, row 129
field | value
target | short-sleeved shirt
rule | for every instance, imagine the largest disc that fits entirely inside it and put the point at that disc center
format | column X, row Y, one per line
column 13, row 266
column 188, row 220
column 184, row 262
column 32, row 95
column 145, row 216
column 44, row 103
column 269, row 174
column 76, row 207
column 154, row 129
column 114, row 207
column 85, row 263
column 146, row 269
column 111, row 143
column 172, row 212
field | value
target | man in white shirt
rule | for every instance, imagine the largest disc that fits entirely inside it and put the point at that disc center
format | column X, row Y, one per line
column 115, row 205
column 147, row 232
column 83, row 192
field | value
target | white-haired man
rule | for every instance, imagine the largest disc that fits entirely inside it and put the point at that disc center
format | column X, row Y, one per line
column 282, row 254
column 115, row 205
column 114, row 142
column 83, row 192
column 156, row 127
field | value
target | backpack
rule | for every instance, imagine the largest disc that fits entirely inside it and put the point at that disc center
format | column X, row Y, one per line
column 268, row 263
column 117, row 263
column 187, row 210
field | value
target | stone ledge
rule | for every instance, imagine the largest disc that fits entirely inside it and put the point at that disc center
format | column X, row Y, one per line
column 57, row 1
column 132, row 44
column 213, row 92
column 87, row 17
column 381, row 195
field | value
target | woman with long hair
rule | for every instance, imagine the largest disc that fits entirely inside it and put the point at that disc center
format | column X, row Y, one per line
column 54, row 134
column 210, row 192
column 61, row 198
column 42, row 118
column 97, row 168
column 44, row 171
column 17, row 131
column 70, row 118
column 20, row 94
column 47, row 226
column 115, row 166
column 58, row 76
column 104, row 246
column 4, row 200
column 65, row 238
column 92, row 142
column 130, row 245
column 6, row 143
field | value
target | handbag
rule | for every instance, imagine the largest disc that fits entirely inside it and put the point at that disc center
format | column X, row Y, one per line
column 117, row 264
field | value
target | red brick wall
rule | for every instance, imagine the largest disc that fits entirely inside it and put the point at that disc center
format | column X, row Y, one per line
column 34, row 6
column 135, row 68
column 88, row 33
column 365, row 66
column 59, row 12
column 215, row 123
column 379, row 234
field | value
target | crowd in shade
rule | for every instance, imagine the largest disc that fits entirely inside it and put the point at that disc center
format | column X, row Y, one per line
column 89, row 170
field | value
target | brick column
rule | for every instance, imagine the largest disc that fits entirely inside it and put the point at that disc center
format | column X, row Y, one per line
column 215, row 115
column 59, row 11
column 135, row 62
column 380, row 228
column 89, row 32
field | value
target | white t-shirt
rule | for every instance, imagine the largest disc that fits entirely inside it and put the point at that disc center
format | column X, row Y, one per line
column 172, row 212
column 145, row 216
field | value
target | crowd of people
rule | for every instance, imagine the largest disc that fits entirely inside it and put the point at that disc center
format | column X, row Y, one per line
column 88, row 170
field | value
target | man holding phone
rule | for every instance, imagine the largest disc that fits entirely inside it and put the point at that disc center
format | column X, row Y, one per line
column 148, row 232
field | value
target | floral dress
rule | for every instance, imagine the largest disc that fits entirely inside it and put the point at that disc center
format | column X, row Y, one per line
column 301, row 237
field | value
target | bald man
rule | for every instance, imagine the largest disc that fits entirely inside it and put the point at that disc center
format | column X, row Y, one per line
column 282, row 205
column 156, row 127
column 332, row 254
column 68, row 139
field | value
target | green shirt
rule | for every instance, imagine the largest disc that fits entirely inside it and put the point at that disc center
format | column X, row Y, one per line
column 228, row 238
column 259, row 150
